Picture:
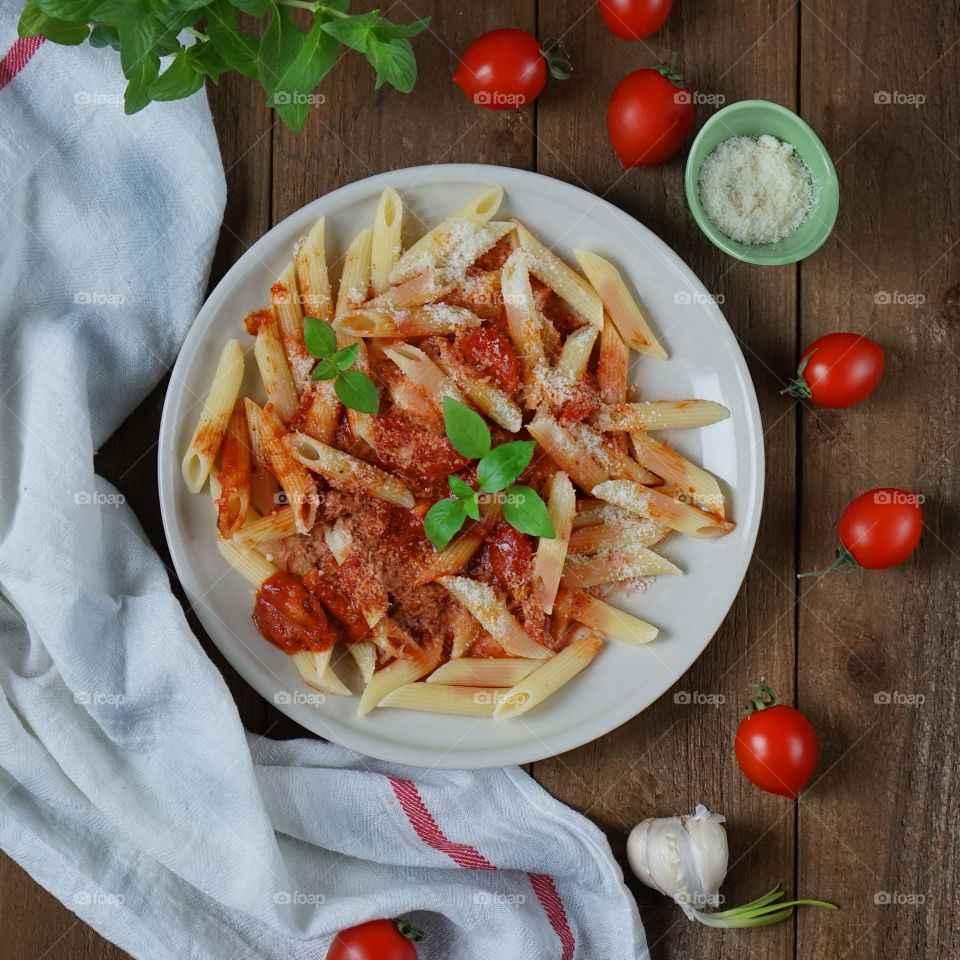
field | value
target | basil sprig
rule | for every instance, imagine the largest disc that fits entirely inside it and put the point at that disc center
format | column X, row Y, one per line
column 289, row 62
column 497, row 470
column 354, row 388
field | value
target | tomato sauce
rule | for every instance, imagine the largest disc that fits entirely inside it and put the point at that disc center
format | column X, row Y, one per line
column 492, row 353
column 417, row 455
column 291, row 617
column 253, row 321
column 341, row 605
column 509, row 556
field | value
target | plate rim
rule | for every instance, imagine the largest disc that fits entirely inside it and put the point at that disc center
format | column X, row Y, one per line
column 310, row 719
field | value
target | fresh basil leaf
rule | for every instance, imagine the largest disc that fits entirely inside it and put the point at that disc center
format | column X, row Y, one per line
column 136, row 96
column 345, row 358
column 356, row 391
column 319, row 337
column 525, row 511
column 237, row 48
column 386, row 30
column 34, row 23
column 291, row 95
column 137, row 38
column 207, row 59
column 279, row 46
column 324, row 370
column 179, row 80
column 502, row 465
column 443, row 520
column 395, row 64
column 467, row 432
column 77, row 11
column 354, row 32
column 103, row 35
column 467, row 494
column 31, row 20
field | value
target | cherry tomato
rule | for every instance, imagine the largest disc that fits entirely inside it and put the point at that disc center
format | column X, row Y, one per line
column 649, row 116
column 838, row 370
column 634, row 19
column 776, row 747
column 506, row 68
column 375, row 940
column 882, row 527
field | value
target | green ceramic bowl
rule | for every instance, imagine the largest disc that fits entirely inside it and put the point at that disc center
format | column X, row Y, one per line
column 753, row 118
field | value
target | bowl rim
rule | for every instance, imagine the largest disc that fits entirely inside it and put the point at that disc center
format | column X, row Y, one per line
column 720, row 239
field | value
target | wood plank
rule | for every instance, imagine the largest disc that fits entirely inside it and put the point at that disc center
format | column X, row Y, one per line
column 882, row 817
column 672, row 756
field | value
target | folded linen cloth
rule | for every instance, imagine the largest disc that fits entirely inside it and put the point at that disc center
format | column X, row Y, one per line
column 129, row 788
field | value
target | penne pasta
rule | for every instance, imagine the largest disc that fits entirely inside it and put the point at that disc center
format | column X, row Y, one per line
column 488, row 398
column 523, row 323
column 214, row 417
column 575, row 354
column 422, row 371
column 389, row 678
column 313, row 281
column 286, row 304
column 234, row 478
column 612, row 364
column 692, row 482
column 563, row 280
column 268, row 528
column 355, row 276
column 629, row 563
column 613, row 462
column 316, row 671
column 343, row 470
column 435, row 698
column 274, row 369
column 566, row 452
column 385, row 243
column 253, row 567
column 551, row 553
column 364, row 653
column 298, row 485
column 600, row 537
column 479, row 598
column 483, row 671
column 550, row 676
column 622, row 307
column 610, row 621
column 382, row 321
column 662, row 508
column 319, row 411
column 661, row 415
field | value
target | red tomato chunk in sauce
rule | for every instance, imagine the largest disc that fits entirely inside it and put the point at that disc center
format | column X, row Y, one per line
column 491, row 353
column 291, row 617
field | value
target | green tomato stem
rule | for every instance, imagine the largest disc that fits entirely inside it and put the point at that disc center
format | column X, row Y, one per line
column 845, row 563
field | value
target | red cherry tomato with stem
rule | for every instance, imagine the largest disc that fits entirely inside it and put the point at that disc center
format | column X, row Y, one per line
column 879, row 529
column 776, row 747
column 838, row 370
column 634, row 19
column 649, row 115
column 376, row 940
column 505, row 69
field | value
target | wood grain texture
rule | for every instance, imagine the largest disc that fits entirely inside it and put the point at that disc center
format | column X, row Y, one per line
column 881, row 814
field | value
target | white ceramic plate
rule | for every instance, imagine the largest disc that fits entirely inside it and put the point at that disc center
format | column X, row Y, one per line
column 705, row 362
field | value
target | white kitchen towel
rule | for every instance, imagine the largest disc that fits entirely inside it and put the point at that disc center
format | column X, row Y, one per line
column 129, row 788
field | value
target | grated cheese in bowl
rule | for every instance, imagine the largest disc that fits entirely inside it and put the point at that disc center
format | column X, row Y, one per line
column 755, row 189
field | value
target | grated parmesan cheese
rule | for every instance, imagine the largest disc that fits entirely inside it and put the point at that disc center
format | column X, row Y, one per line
column 756, row 189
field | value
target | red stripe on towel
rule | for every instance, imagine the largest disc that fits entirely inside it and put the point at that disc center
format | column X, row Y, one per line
column 18, row 56
column 462, row 854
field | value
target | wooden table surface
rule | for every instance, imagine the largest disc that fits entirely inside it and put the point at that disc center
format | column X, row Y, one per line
column 879, row 820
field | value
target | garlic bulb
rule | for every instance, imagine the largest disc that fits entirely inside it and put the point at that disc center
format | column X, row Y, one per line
column 683, row 857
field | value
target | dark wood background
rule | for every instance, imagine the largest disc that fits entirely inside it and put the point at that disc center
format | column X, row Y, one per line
column 882, row 813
